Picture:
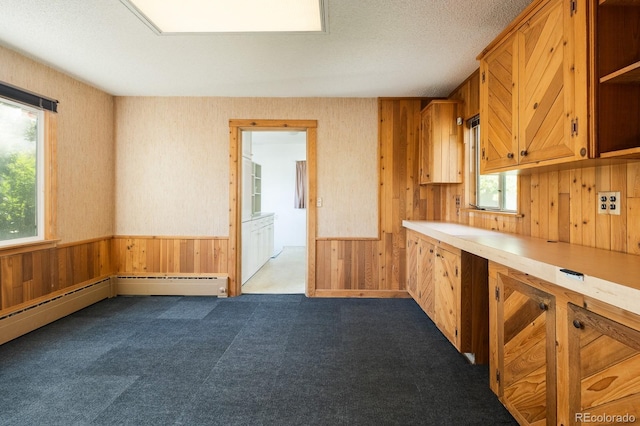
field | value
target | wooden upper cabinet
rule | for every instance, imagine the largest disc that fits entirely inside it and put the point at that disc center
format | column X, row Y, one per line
column 498, row 108
column 441, row 142
column 533, row 92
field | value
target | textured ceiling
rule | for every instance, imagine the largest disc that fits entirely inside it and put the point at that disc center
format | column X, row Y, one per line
column 373, row 48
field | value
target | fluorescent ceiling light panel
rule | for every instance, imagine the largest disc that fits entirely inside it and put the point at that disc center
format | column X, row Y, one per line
column 230, row 16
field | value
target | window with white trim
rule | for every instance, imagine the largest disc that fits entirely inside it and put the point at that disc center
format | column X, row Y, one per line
column 497, row 191
column 21, row 173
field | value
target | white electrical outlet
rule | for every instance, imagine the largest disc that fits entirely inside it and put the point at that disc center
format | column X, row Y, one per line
column 609, row 202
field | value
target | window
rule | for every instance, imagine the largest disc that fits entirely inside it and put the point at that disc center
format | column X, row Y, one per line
column 21, row 173
column 498, row 191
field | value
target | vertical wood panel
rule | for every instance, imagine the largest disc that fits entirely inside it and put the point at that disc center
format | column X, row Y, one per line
column 34, row 274
column 138, row 255
column 588, row 206
column 603, row 222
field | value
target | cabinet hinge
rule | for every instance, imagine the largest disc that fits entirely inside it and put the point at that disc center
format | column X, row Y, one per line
column 456, row 271
column 573, row 7
column 497, row 293
column 498, row 376
column 456, row 331
column 574, row 127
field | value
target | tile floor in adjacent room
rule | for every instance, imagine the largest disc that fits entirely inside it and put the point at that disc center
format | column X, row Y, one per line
column 282, row 274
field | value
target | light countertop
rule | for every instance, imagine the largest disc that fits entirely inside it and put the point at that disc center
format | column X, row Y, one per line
column 609, row 276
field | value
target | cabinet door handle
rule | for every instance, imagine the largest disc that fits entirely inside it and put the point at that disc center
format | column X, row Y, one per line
column 577, row 324
column 524, row 153
column 543, row 306
column 510, row 155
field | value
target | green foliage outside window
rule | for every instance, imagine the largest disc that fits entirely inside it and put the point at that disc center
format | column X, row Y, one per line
column 18, row 183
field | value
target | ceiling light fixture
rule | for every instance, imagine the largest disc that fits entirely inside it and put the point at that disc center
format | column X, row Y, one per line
column 230, row 16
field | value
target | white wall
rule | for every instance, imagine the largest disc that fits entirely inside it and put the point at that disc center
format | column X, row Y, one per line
column 278, row 160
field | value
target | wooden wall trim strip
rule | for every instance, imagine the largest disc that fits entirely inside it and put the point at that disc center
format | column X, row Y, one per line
column 398, row 294
column 170, row 237
column 28, row 248
column 51, row 179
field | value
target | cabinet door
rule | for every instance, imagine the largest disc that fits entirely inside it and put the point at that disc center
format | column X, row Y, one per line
column 412, row 264
column 426, row 156
column 425, row 279
column 546, row 85
column 447, row 293
column 441, row 143
column 499, row 108
column 604, row 374
column 526, row 351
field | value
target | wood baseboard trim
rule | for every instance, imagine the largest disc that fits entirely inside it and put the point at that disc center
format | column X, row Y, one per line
column 377, row 294
column 31, row 318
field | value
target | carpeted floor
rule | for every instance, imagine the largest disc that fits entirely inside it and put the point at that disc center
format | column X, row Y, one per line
column 250, row 360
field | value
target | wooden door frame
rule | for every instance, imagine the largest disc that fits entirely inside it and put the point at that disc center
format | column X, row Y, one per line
column 234, row 256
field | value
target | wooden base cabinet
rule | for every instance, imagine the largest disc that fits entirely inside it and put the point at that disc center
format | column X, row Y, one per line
column 447, row 289
column 451, row 288
column 559, row 357
column 526, row 336
column 420, row 282
column 604, row 369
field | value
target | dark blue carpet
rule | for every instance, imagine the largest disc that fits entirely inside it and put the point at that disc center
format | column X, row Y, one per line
column 250, row 360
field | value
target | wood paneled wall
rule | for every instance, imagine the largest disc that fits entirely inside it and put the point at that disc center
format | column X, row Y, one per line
column 28, row 276
column 140, row 255
column 376, row 267
column 558, row 205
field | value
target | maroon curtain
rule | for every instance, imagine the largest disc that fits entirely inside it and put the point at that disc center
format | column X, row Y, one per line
column 300, row 201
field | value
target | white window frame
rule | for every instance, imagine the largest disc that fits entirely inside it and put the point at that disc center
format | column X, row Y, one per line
column 40, row 177
column 474, row 125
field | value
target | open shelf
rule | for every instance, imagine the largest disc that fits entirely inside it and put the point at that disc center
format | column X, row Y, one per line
column 627, row 75
column 617, row 76
column 619, row 3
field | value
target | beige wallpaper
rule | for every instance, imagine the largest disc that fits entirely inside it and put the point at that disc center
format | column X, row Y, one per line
column 172, row 157
column 86, row 171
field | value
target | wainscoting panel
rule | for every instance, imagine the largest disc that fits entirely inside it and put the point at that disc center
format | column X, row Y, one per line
column 31, row 275
column 142, row 255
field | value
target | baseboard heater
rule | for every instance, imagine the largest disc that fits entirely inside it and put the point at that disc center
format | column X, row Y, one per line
column 32, row 317
column 172, row 285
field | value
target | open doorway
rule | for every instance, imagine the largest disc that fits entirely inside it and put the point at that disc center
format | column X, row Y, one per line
column 236, row 129
column 274, row 229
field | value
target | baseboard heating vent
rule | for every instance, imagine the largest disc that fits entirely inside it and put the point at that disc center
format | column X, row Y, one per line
column 19, row 322
column 172, row 285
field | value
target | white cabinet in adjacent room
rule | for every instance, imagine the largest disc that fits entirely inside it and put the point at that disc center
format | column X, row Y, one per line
column 257, row 244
